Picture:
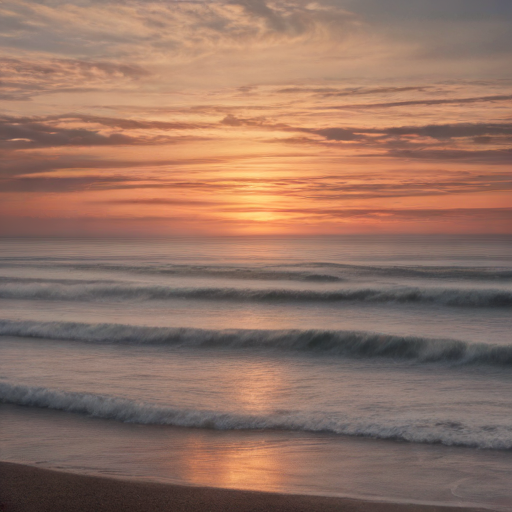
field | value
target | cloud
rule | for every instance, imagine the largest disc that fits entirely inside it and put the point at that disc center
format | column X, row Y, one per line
column 441, row 30
column 430, row 102
column 231, row 120
column 496, row 156
column 274, row 20
column 449, row 10
column 397, row 141
column 334, row 133
column 329, row 92
column 37, row 135
column 450, row 131
column 22, row 79
column 158, row 201
column 21, row 164
column 389, row 214
column 178, row 28
column 26, row 133
column 332, row 188
column 434, row 131
column 127, row 124
column 266, row 38
column 17, row 163
column 60, row 184
column 340, row 134
column 312, row 190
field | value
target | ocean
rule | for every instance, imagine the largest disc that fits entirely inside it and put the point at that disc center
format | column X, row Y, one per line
column 374, row 367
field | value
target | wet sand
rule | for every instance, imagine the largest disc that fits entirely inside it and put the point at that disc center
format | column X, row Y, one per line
column 32, row 489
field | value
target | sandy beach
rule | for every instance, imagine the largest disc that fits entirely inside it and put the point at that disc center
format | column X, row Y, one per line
column 29, row 489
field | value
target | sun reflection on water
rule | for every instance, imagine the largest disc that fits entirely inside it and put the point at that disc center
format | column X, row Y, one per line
column 257, row 386
column 244, row 463
column 237, row 465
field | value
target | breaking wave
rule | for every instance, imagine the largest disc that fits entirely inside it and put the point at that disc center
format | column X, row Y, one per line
column 306, row 271
column 214, row 271
column 87, row 291
column 336, row 343
column 435, row 431
column 420, row 271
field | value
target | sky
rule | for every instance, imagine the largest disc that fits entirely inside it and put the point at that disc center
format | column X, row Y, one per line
column 253, row 117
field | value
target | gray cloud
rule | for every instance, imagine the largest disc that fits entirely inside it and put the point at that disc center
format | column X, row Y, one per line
column 480, row 133
column 18, row 133
column 497, row 156
column 21, row 164
column 60, row 184
column 389, row 214
column 447, row 101
column 37, row 135
column 158, row 201
column 328, row 92
column 441, row 29
column 29, row 133
column 259, row 8
column 341, row 134
column 446, row 10
column 334, row 133
column 450, row 131
column 405, row 150
column 127, row 124
column 22, row 79
column 185, row 27
column 323, row 189
column 15, row 163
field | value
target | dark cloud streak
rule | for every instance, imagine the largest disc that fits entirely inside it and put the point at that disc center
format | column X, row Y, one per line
column 26, row 133
column 428, row 102
column 330, row 92
column 23, row 79
column 325, row 189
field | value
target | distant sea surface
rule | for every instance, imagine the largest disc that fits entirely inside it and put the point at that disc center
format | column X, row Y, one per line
column 370, row 367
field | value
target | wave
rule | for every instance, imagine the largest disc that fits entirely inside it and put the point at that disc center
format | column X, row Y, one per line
column 447, row 432
column 426, row 272
column 326, row 271
column 335, row 343
column 460, row 297
column 213, row 271
column 49, row 280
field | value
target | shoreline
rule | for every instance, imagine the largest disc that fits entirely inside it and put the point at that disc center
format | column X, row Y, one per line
column 26, row 488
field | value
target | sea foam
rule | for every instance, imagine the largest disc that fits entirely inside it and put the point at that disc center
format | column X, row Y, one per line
column 437, row 431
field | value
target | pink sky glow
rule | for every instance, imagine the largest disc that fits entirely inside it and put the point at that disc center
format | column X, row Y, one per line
column 251, row 117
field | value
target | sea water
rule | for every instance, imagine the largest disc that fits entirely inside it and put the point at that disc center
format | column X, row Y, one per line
column 370, row 367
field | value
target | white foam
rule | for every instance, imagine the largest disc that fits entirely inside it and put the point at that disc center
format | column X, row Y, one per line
column 447, row 432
